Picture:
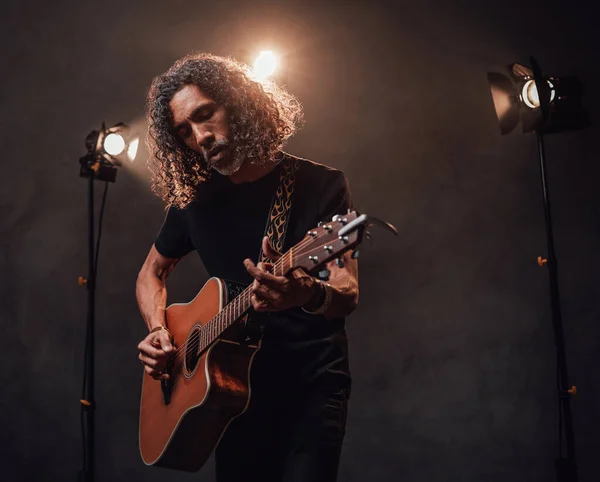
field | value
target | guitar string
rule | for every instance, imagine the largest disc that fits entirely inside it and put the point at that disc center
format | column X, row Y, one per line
column 221, row 320
column 219, row 317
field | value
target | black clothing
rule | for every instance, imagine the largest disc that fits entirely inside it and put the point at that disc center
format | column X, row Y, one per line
column 284, row 437
column 304, row 356
column 225, row 224
column 229, row 219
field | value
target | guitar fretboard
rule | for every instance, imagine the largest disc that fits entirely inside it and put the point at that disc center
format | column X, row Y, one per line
column 238, row 307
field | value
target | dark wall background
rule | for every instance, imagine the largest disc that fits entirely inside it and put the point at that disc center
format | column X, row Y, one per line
column 451, row 348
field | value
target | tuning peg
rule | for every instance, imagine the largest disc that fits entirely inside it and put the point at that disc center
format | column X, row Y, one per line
column 339, row 218
column 324, row 274
column 339, row 262
column 355, row 254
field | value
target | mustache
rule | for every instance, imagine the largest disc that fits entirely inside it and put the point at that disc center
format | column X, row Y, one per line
column 218, row 145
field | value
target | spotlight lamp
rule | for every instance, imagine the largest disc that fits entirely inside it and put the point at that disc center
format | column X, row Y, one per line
column 265, row 65
column 542, row 104
column 546, row 105
column 108, row 149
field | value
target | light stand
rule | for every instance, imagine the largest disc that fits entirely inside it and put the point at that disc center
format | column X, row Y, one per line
column 566, row 467
column 546, row 105
column 98, row 165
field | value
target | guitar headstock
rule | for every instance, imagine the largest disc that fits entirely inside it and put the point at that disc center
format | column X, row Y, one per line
column 329, row 241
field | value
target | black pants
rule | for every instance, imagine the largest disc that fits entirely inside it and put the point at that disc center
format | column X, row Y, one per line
column 284, row 437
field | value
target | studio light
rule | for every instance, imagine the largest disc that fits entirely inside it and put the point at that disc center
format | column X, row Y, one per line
column 265, row 64
column 114, row 144
column 107, row 149
column 530, row 95
column 542, row 104
column 546, row 105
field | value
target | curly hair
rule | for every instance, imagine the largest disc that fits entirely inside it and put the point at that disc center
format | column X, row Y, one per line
column 261, row 117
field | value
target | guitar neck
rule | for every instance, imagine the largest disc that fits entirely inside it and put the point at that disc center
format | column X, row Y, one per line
column 240, row 305
column 318, row 247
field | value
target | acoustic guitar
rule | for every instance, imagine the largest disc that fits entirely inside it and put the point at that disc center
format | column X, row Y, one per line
column 183, row 418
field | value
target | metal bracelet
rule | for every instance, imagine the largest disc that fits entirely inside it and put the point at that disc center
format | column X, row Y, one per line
column 160, row 327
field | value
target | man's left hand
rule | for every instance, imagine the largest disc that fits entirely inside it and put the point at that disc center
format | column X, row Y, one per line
column 276, row 293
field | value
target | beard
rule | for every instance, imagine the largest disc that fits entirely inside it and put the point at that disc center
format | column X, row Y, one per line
column 227, row 166
column 231, row 161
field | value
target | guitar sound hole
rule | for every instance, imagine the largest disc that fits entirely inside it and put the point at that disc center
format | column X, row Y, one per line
column 191, row 353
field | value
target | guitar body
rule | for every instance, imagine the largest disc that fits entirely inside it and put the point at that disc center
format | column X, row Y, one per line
column 183, row 419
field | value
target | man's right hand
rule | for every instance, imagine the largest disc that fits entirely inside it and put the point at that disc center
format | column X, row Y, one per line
column 155, row 350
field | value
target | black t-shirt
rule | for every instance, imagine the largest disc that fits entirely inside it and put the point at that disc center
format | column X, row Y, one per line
column 225, row 224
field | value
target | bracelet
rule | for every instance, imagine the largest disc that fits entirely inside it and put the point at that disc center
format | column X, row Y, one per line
column 326, row 302
column 160, row 327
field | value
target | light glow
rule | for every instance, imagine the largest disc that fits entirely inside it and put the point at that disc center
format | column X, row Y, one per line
column 265, row 65
column 530, row 95
column 114, row 144
column 133, row 148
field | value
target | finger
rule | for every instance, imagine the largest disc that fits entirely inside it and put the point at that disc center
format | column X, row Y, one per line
column 153, row 372
column 268, row 267
column 262, row 305
column 299, row 273
column 161, row 340
column 264, row 277
column 156, row 374
column 156, row 363
column 258, row 304
column 164, row 338
column 269, row 250
column 150, row 362
column 250, row 266
column 151, row 351
column 161, row 376
column 265, row 294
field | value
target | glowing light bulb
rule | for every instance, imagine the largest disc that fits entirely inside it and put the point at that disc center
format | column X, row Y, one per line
column 265, row 64
column 530, row 94
column 114, row 144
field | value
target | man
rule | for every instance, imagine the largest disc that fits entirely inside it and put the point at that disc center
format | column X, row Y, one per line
column 216, row 136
